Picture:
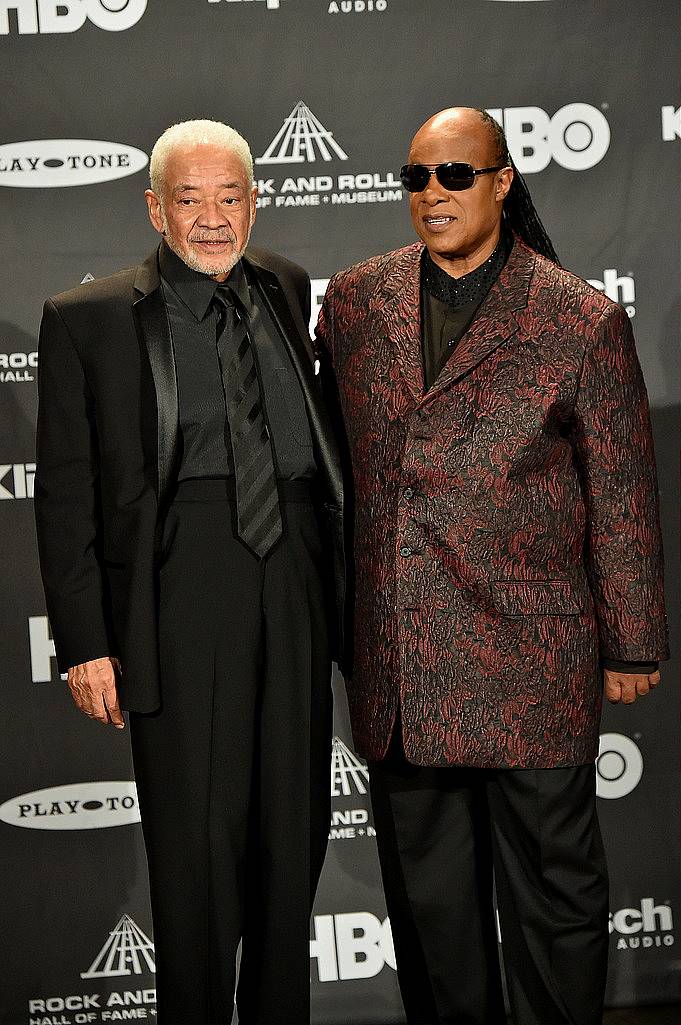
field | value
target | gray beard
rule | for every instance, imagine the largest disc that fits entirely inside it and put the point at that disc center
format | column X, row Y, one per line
column 194, row 263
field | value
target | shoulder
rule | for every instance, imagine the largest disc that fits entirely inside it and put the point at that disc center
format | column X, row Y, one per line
column 265, row 259
column 573, row 293
column 98, row 292
column 378, row 270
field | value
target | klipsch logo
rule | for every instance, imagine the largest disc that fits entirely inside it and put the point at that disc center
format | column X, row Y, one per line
column 649, row 925
column 56, row 163
column 357, row 6
column 74, row 806
column 49, row 16
column 302, row 137
column 128, row 951
column 576, row 137
column 272, row 5
column 619, row 766
column 621, row 288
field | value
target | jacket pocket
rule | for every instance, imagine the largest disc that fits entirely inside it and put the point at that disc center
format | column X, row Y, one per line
column 538, row 598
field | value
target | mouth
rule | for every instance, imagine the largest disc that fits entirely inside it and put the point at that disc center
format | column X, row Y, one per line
column 212, row 245
column 437, row 223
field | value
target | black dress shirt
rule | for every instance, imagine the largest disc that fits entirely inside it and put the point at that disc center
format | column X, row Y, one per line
column 193, row 320
column 448, row 308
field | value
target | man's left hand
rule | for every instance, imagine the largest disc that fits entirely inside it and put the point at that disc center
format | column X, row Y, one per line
column 626, row 687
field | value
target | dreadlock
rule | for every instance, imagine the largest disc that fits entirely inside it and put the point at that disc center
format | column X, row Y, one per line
column 520, row 215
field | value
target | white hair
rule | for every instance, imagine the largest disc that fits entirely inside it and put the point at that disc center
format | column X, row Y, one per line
column 189, row 134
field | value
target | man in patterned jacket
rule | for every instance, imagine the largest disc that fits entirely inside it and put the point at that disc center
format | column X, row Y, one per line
column 508, row 570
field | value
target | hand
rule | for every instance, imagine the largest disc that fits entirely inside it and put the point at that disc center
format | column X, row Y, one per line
column 626, row 687
column 93, row 685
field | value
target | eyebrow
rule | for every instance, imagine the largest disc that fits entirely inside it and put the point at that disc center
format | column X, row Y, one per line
column 186, row 187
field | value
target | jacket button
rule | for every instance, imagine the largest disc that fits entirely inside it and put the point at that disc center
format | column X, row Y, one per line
column 408, row 494
column 405, row 552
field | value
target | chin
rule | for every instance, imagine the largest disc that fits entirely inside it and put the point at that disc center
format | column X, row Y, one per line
column 199, row 263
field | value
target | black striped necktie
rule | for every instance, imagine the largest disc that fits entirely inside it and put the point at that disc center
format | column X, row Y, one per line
column 257, row 500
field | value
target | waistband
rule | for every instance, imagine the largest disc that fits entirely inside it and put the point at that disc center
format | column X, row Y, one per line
column 221, row 489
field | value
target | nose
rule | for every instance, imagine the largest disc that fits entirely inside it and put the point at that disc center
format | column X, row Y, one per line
column 213, row 215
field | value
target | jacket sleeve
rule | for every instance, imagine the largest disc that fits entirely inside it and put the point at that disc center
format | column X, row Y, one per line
column 66, row 498
column 614, row 450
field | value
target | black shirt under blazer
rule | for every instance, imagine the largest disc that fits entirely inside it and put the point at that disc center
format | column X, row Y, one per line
column 107, row 460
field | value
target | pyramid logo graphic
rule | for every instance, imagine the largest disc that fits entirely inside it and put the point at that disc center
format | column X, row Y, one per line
column 346, row 770
column 123, row 953
column 298, row 140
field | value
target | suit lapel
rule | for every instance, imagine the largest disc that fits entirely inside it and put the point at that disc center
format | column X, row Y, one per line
column 495, row 321
column 152, row 320
column 402, row 318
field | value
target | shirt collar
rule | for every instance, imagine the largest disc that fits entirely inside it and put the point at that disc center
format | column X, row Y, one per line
column 459, row 292
column 194, row 289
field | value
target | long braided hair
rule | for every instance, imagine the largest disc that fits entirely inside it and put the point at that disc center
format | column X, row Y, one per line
column 520, row 215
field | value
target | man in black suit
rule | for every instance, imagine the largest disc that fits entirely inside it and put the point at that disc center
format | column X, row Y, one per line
column 189, row 510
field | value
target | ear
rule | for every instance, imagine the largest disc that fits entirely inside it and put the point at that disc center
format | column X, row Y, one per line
column 155, row 211
column 253, row 203
column 503, row 183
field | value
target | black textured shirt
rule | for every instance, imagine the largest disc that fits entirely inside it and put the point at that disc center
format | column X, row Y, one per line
column 193, row 321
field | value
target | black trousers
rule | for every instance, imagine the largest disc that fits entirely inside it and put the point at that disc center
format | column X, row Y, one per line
column 233, row 770
column 445, row 835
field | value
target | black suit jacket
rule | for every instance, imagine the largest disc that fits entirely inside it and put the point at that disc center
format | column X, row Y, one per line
column 107, row 458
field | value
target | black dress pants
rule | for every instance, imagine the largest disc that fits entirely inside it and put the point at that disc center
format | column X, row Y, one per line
column 444, row 836
column 233, row 770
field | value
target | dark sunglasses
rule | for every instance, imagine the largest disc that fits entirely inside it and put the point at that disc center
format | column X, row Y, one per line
column 453, row 176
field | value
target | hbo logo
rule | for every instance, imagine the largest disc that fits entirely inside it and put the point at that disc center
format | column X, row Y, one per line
column 576, row 137
column 48, row 16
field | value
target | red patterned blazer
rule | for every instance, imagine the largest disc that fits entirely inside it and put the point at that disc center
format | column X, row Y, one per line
column 506, row 521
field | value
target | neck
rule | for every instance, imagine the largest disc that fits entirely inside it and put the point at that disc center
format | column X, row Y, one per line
column 458, row 264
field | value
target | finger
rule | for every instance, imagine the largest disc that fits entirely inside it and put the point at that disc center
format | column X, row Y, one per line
column 642, row 685
column 654, row 678
column 628, row 690
column 613, row 690
column 113, row 708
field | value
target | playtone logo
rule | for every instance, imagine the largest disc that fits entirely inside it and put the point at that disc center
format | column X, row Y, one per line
column 95, row 805
column 651, row 925
column 56, row 163
column 51, row 16
column 576, row 137
column 351, row 946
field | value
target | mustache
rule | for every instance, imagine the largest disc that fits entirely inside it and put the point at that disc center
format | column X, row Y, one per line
column 217, row 236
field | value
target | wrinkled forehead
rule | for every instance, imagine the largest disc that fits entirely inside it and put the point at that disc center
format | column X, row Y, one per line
column 451, row 141
column 204, row 161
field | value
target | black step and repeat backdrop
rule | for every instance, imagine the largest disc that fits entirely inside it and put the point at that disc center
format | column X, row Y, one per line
column 328, row 93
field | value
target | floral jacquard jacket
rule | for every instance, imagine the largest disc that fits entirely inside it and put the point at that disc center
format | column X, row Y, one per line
column 506, row 521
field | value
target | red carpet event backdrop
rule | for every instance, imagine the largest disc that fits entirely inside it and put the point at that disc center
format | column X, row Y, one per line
column 328, row 94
